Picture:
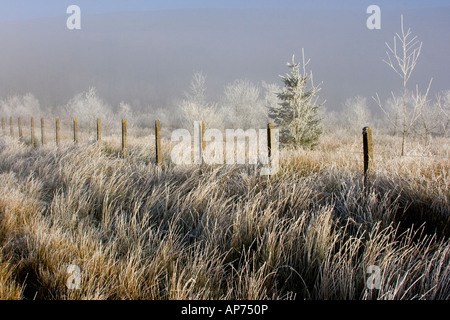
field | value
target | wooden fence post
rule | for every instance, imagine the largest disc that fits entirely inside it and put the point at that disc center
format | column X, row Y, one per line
column 75, row 130
column 11, row 127
column 158, row 142
column 43, row 142
column 19, row 124
column 368, row 153
column 124, row 139
column 33, row 140
column 203, row 135
column 270, row 136
column 58, row 138
column 3, row 126
column 99, row 129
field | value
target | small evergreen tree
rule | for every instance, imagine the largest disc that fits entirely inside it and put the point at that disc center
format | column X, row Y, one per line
column 297, row 115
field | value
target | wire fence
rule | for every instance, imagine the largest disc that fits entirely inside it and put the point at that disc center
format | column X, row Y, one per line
column 53, row 131
column 394, row 155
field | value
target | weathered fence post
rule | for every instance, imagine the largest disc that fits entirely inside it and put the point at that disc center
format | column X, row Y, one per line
column 124, row 139
column 270, row 137
column 11, row 127
column 75, row 130
column 58, row 138
column 33, row 140
column 43, row 142
column 203, row 135
column 158, row 142
column 99, row 129
column 3, row 126
column 368, row 153
column 19, row 124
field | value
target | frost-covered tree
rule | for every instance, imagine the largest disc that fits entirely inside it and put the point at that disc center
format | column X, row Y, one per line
column 194, row 106
column 429, row 114
column 271, row 91
column 331, row 120
column 297, row 115
column 87, row 107
column 21, row 106
column 193, row 112
column 420, row 116
column 393, row 115
column 443, row 103
column 125, row 112
column 243, row 106
column 403, row 55
column 197, row 89
column 356, row 114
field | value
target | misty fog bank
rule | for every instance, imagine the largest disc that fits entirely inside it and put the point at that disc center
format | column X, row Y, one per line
column 148, row 58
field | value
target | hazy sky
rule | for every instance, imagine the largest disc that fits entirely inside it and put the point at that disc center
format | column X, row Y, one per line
column 26, row 9
column 145, row 52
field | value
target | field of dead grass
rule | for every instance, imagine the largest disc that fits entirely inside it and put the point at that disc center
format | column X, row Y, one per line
column 139, row 231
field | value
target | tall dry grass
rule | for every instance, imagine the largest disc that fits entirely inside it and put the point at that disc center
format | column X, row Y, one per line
column 138, row 231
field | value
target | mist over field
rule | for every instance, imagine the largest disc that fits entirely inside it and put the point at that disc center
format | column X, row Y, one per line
column 157, row 153
column 148, row 58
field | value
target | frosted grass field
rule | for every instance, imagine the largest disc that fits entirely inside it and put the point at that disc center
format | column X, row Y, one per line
column 139, row 231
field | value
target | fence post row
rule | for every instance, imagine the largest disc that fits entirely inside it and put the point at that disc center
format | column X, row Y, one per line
column 200, row 129
column 368, row 153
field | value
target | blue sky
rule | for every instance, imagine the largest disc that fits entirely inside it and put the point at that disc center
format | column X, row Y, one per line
column 31, row 9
